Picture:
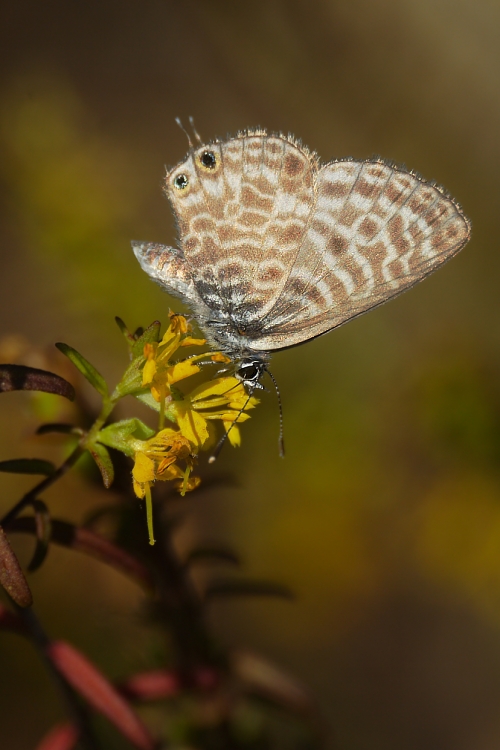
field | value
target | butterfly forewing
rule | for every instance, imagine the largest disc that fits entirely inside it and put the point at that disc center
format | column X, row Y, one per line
column 242, row 222
column 376, row 230
column 167, row 266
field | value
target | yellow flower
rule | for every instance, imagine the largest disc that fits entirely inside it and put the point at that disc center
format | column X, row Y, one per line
column 224, row 399
column 159, row 372
column 157, row 458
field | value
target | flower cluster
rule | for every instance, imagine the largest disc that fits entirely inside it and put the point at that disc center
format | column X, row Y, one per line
column 187, row 417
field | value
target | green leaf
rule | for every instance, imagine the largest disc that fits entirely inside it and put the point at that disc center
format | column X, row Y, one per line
column 129, row 337
column 123, row 328
column 121, row 435
column 11, row 576
column 104, row 463
column 28, row 466
column 131, row 381
column 61, row 427
column 150, row 336
column 21, row 378
column 43, row 527
column 148, row 399
column 237, row 587
column 88, row 371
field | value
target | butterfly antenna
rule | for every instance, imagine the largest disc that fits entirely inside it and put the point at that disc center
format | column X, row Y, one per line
column 223, row 439
column 179, row 123
column 281, row 439
column 196, row 134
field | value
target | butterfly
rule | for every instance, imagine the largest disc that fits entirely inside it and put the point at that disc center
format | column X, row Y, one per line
column 276, row 248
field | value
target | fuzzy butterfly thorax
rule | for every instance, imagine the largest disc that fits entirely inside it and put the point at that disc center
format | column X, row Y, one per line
column 276, row 249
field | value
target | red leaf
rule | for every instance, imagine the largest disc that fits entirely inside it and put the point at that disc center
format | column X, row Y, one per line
column 151, row 686
column 87, row 680
column 11, row 576
column 60, row 737
column 21, row 378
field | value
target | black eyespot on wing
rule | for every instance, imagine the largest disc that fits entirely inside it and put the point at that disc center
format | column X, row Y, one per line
column 181, row 181
column 208, row 159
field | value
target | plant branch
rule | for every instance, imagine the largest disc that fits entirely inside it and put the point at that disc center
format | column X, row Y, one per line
column 42, row 486
column 77, row 712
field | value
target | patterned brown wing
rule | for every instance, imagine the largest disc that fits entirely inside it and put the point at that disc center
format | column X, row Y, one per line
column 376, row 231
column 244, row 198
column 167, row 266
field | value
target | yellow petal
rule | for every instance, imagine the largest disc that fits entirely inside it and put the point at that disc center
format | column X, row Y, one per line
column 150, row 350
column 227, row 416
column 188, row 485
column 144, row 468
column 216, row 402
column 168, row 345
column 219, row 357
column 178, row 323
column 190, row 341
column 182, row 370
column 139, row 489
column 149, row 371
column 233, row 434
column 172, row 472
column 216, row 387
column 192, row 425
column 165, row 434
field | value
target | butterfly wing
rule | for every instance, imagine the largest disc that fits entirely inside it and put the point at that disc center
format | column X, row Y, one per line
column 376, row 230
column 167, row 266
column 257, row 196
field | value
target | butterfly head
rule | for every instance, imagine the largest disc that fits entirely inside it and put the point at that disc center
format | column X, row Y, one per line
column 203, row 162
column 250, row 371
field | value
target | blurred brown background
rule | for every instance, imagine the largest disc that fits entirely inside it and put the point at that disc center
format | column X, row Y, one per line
column 384, row 516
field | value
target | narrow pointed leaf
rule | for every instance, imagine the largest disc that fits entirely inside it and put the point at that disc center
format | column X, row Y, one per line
column 28, row 466
column 96, row 689
column 150, row 686
column 101, row 456
column 267, row 680
column 237, row 587
column 21, row 378
column 212, row 555
column 146, row 398
column 43, row 528
column 123, row 328
column 149, row 336
column 11, row 576
column 88, row 541
column 60, row 737
column 88, row 371
column 60, row 427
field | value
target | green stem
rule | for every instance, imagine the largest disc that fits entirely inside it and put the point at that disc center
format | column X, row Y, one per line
column 161, row 418
column 149, row 514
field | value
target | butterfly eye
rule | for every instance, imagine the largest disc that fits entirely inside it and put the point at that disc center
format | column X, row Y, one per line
column 208, row 159
column 250, row 371
column 181, row 182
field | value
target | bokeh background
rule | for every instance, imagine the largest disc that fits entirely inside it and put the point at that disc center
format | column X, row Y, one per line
column 384, row 516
